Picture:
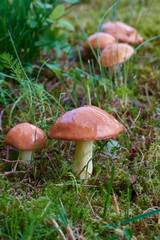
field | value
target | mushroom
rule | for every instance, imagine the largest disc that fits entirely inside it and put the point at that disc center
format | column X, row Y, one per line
column 100, row 40
column 115, row 54
column 122, row 32
column 26, row 137
column 84, row 125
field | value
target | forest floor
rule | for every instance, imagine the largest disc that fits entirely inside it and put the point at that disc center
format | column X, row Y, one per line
column 122, row 198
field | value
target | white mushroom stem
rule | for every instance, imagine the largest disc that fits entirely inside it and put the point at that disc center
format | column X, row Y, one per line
column 83, row 165
column 25, row 157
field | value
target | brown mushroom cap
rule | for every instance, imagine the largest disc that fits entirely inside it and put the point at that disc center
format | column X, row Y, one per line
column 26, row 137
column 116, row 54
column 101, row 39
column 85, row 124
column 122, row 32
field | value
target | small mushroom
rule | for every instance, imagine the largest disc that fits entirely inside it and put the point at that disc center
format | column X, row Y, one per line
column 84, row 125
column 100, row 40
column 116, row 54
column 26, row 137
column 122, row 32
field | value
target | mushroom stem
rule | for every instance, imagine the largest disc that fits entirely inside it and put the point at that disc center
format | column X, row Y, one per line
column 83, row 153
column 25, row 156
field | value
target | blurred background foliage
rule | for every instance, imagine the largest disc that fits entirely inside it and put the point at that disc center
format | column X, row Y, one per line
column 34, row 25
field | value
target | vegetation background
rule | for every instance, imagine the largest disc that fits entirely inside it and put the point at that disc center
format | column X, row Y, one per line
column 44, row 72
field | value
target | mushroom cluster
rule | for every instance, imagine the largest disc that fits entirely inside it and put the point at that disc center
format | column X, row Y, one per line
column 122, row 32
column 114, row 43
column 82, row 125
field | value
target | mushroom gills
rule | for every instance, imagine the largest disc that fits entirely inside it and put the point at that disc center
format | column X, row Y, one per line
column 83, row 165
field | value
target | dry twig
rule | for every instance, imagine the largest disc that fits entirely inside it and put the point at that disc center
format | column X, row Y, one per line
column 55, row 224
column 116, row 204
column 70, row 233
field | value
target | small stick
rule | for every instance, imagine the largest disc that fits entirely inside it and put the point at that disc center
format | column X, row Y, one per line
column 15, row 166
column 90, row 206
column 98, row 220
column 134, row 238
column 159, row 219
column 142, row 129
column 1, row 129
column 8, row 161
column 70, row 233
column 55, row 224
column 2, row 164
column 70, row 184
column 11, row 173
column 116, row 203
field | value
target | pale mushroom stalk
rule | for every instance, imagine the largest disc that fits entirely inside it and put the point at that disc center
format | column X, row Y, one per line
column 83, row 153
column 25, row 157
column 84, row 125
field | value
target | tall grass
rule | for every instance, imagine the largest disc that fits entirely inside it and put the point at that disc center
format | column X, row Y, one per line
column 34, row 25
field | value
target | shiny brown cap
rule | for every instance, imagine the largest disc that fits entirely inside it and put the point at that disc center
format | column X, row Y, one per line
column 122, row 32
column 84, row 124
column 101, row 39
column 26, row 137
column 116, row 54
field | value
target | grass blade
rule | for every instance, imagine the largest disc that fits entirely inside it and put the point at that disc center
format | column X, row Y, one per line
column 109, row 192
column 133, row 219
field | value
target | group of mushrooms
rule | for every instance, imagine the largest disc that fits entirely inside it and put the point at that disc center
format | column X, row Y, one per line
column 83, row 125
column 114, row 42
